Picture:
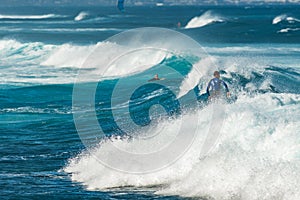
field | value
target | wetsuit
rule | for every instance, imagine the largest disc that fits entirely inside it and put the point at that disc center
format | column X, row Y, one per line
column 215, row 86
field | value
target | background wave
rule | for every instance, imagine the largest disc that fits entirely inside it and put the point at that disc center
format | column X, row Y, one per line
column 81, row 16
column 206, row 18
column 31, row 17
column 284, row 17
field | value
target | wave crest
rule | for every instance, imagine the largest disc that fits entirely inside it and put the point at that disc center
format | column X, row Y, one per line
column 206, row 18
column 250, row 157
column 81, row 16
column 30, row 17
column 284, row 17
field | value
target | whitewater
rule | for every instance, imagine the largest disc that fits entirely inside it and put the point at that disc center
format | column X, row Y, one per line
column 248, row 161
column 263, row 148
column 46, row 53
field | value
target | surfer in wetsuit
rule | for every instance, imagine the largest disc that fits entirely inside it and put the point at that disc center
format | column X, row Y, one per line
column 214, row 87
column 155, row 78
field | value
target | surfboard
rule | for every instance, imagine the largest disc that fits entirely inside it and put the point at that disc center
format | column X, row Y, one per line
column 151, row 80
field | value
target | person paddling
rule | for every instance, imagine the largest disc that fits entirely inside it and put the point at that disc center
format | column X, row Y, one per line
column 155, row 78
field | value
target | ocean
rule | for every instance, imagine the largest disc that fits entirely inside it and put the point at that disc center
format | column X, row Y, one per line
column 51, row 150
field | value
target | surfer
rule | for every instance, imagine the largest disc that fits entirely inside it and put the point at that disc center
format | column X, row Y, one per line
column 155, row 78
column 214, row 87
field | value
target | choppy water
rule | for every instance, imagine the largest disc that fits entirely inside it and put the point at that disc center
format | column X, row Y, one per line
column 257, row 50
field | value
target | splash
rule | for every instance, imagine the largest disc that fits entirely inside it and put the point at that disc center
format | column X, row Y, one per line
column 81, row 16
column 284, row 17
column 206, row 18
column 259, row 159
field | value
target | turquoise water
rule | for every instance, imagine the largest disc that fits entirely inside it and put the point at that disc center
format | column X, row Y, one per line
column 257, row 50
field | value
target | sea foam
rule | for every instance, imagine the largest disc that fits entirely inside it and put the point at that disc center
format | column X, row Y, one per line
column 206, row 18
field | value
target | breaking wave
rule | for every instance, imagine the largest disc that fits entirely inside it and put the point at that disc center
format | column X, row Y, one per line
column 206, row 18
column 31, row 17
column 81, row 16
column 286, row 30
column 284, row 17
column 258, row 159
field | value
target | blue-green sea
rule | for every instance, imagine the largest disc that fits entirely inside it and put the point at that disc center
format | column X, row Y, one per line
column 43, row 49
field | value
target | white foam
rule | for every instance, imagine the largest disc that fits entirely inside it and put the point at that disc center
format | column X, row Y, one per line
column 279, row 18
column 286, row 30
column 46, row 16
column 82, row 15
column 135, row 62
column 256, row 159
column 71, row 29
column 243, row 164
column 201, row 69
column 206, row 18
column 292, row 19
column 25, row 53
column 68, row 55
column 30, row 69
column 33, row 55
column 284, row 17
column 56, row 57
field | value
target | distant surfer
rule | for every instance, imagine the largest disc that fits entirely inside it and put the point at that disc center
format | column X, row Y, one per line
column 155, row 78
column 214, row 87
column 178, row 25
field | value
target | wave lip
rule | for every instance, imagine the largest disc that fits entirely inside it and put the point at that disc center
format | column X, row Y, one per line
column 45, row 16
column 206, row 18
column 286, row 30
column 284, row 17
column 81, row 16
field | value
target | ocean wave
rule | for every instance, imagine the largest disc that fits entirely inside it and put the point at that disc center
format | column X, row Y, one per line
column 284, row 17
column 30, row 57
column 192, row 79
column 25, row 53
column 286, row 30
column 266, row 50
column 251, row 157
column 68, row 55
column 81, row 16
column 30, row 17
column 76, row 29
column 206, row 18
column 55, row 60
column 88, row 17
column 69, row 30
column 48, row 63
column 33, row 110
